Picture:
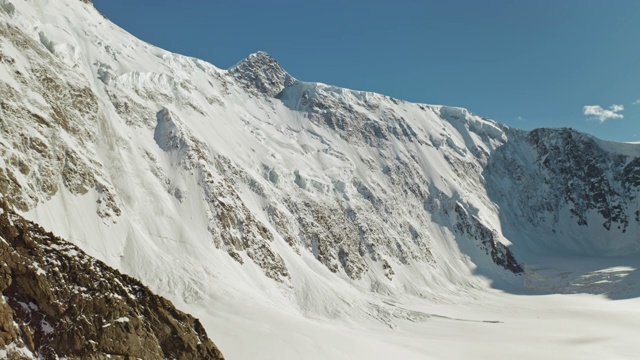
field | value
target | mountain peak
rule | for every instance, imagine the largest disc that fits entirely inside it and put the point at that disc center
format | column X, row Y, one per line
column 260, row 73
column 258, row 58
column 260, row 55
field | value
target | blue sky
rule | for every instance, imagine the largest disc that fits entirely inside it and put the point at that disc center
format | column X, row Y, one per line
column 534, row 63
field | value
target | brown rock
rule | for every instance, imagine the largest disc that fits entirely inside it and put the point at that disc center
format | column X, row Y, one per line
column 66, row 304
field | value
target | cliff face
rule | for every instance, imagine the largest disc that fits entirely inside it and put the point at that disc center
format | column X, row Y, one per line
column 58, row 302
column 578, row 194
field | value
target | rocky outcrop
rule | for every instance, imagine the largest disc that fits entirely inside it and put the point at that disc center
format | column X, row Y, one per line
column 259, row 73
column 39, row 137
column 569, row 185
column 469, row 225
column 57, row 302
column 581, row 173
column 232, row 226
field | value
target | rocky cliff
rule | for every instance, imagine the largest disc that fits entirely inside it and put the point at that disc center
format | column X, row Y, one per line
column 57, row 302
column 577, row 193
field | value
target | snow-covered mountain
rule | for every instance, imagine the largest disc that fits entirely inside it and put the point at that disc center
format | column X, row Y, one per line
column 230, row 190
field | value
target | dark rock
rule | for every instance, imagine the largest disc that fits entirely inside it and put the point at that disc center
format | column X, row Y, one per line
column 471, row 226
column 59, row 302
column 261, row 74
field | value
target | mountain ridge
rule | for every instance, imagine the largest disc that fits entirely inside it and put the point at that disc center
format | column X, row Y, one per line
column 356, row 117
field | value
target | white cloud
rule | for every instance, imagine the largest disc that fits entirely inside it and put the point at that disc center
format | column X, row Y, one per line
column 637, row 102
column 597, row 112
column 616, row 108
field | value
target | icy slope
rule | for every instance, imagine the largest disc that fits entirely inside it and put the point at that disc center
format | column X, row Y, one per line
column 246, row 187
column 185, row 163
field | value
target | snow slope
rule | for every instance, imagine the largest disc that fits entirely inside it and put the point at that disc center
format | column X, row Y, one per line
column 276, row 210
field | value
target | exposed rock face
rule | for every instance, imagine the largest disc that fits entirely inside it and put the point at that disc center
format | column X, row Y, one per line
column 58, row 302
column 582, row 174
column 230, row 223
column 472, row 226
column 261, row 74
column 569, row 184
column 40, row 136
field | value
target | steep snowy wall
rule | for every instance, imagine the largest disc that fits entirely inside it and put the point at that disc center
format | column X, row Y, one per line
column 207, row 183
